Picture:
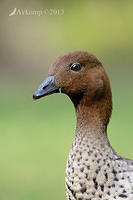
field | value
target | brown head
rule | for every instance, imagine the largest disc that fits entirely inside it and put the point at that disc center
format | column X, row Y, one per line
column 81, row 76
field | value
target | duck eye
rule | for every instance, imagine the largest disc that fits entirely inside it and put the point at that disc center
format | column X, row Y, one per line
column 75, row 67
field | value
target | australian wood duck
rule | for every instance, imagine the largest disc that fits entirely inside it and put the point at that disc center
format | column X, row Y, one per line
column 94, row 170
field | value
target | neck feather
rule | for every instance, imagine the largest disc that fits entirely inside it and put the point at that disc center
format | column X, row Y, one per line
column 92, row 115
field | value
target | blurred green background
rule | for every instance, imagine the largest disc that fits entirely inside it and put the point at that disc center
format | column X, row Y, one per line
column 35, row 137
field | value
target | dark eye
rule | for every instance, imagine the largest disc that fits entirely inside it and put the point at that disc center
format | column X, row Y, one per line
column 75, row 67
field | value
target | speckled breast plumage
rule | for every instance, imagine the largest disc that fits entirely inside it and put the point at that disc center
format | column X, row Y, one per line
column 94, row 172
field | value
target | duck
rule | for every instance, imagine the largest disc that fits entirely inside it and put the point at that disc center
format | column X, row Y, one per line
column 94, row 171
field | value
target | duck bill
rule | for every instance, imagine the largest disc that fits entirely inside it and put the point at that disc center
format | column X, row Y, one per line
column 46, row 88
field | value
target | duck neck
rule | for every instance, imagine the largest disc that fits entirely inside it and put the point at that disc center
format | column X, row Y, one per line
column 89, row 118
column 91, row 131
column 93, row 117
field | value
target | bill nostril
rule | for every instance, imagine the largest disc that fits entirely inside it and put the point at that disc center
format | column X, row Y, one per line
column 45, row 87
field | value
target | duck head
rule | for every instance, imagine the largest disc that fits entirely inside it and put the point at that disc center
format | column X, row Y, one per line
column 82, row 77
